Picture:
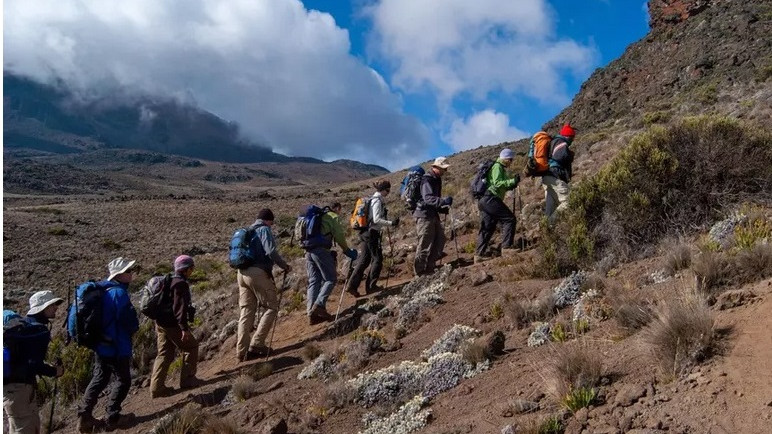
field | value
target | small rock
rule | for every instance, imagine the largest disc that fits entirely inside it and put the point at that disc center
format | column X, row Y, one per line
column 495, row 343
column 481, row 278
column 509, row 429
column 274, row 425
column 581, row 415
column 573, row 426
column 629, row 394
column 734, row 298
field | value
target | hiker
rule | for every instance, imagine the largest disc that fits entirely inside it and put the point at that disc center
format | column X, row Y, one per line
column 431, row 235
column 370, row 247
column 334, row 212
column 555, row 180
column 257, row 288
column 492, row 207
column 25, row 342
column 172, row 329
column 320, row 264
column 113, row 354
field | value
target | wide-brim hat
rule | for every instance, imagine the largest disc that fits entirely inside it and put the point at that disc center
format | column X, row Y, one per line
column 118, row 266
column 441, row 162
column 41, row 300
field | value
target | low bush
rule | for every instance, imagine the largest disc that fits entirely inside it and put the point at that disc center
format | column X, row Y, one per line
column 338, row 395
column 550, row 425
column 310, row 352
column 188, row 420
column 666, row 182
column 581, row 397
column 677, row 258
column 77, row 362
column 296, row 300
column 258, row 371
column 571, row 367
column 243, row 388
column 475, row 352
column 712, row 270
column 469, row 247
column 754, row 264
column 497, row 310
column 145, row 348
column 756, row 228
column 217, row 425
column 522, row 313
column 680, row 334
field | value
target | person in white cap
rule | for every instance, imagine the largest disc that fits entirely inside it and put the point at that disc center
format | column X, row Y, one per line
column 27, row 341
column 113, row 356
column 431, row 235
column 492, row 207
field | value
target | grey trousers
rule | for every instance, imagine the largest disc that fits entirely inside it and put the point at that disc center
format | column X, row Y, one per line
column 431, row 242
column 322, row 276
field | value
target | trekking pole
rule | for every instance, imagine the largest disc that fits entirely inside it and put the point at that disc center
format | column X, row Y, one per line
column 343, row 290
column 50, row 428
column 391, row 258
column 276, row 319
column 454, row 234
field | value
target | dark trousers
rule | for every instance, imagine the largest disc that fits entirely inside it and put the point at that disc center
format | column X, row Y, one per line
column 370, row 254
column 492, row 211
column 104, row 369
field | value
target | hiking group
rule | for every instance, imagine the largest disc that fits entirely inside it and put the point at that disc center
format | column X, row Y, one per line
column 103, row 319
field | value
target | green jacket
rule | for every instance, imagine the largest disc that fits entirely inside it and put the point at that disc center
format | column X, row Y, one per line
column 498, row 180
column 332, row 228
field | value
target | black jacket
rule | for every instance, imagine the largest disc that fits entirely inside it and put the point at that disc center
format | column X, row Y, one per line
column 431, row 197
column 562, row 159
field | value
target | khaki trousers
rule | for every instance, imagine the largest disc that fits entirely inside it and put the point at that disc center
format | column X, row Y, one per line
column 170, row 338
column 256, row 288
column 22, row 408
column 431, row 243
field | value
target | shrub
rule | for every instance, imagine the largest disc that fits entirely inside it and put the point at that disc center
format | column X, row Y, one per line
column 633, row 313
column 657, row 117
column 338, row 395
column 258, row 371
column 497, row 310
column 189, row 419
column 217, row 425
column 145, row 347
column 523, row 313
column 678, row 257
column 475, row 352
column 295, row 301
column 291, row 251
column 58, row 231
column 243, row 388
column 571, row 367
column 581, row 397
column 755, row 263
column 77, row 362
column 469, row 247
column 712, row 270
column 753, row 230
column 310, row 352
column 198, row 275
column 558, row 332
column 550, row 425
column 667, row 181
column 681, row 333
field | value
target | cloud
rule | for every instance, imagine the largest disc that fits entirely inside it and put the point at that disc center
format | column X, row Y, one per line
column 283, row 73
column 487, row 127
column 475, row 48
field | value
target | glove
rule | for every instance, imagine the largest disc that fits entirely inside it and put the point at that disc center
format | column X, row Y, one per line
column 517, row 181
column 448, row 201
column 395, row 222
column 352, row 254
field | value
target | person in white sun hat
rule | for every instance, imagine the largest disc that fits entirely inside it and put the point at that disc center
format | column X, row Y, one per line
column 25, row 344
column 431, row 235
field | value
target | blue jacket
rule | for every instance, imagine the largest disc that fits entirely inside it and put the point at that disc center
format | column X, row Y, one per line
column 119, row 320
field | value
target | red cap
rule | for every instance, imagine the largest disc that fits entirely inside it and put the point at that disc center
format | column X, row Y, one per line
column 567, row 131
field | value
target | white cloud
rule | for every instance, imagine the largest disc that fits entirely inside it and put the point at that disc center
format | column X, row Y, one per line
column 285, row 74
column 457, row 47
column 487, row 127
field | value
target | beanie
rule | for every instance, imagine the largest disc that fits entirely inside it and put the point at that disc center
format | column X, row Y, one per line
column 506, row 154
column 567, row 131
column 265, row 214
column 183, row 262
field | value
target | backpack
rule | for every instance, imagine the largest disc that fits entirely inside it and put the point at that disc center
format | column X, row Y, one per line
column 360, row 218
column 241, row 255
column 539, row 154
column 24, row 342
column 84, row 318
column 479, row 184
column 155, row 296
column 410, row 189
column 308, row 228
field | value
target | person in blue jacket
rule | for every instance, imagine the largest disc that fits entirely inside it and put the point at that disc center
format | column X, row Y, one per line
column 113, row 358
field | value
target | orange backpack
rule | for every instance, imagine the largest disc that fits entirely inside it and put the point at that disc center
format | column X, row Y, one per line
column 538, row 154
column 360, row 218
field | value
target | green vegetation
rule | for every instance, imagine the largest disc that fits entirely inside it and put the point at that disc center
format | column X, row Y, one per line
column 657, row 117
column 644, row 194
column 296, row 300
column 707, row 93
column 144, row 342
column 581, row 397
column 497, row 311
column 77, row 363
column 469, row 247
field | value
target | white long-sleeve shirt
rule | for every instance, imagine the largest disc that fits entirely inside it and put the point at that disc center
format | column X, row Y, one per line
column 378, row 213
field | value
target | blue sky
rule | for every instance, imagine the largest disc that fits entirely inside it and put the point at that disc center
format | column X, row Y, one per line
column 391, row 82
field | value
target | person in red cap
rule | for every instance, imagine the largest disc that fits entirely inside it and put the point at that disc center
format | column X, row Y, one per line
column 173, row 331
column 555, row 182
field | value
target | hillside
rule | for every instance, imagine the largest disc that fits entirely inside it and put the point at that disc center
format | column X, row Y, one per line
column 643, row 310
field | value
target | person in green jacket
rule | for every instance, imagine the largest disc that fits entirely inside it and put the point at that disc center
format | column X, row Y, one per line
column 492, row 208
column 320, row 265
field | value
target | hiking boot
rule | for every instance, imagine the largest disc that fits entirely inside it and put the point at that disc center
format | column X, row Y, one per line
column 373, row 289
column 87, row 423
column 353, row 292
column 161, row 392
column 320, row 314
column 192, row 383
column 120, row 421
column 256, row 352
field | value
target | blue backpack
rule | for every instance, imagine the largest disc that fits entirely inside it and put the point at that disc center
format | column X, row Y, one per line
column 308, row 229
column 410, row 188
column 84, row 318
column 25, row 343
column 241, row 254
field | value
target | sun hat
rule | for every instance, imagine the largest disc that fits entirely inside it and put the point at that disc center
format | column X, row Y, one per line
column 441, row 162
column 183, row 262
column 41, row 300
column 118, row 266
column 506, row 154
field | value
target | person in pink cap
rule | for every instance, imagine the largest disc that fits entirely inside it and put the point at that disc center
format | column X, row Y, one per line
column 173, row 331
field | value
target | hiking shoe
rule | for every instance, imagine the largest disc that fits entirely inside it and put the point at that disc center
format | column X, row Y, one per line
column 353, row 292
column 161, row 392
column 257, row 352
column 87, row 423
column 373, row 289
column 192, row 383
column 319, row 314
column 120, row 421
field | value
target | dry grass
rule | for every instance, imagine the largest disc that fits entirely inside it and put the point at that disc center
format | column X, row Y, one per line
column 681, row 333
column 712, row 270
column 310, row 352
column 187, row 420
column 217, row 425
column 522, row 312
column 549, row 425
column 678, row 257
column 630, row 310
column 475, row 352
column 244, row 388
column 755, row 263
column 571, row 367
column 338, row 395
column 258, row 371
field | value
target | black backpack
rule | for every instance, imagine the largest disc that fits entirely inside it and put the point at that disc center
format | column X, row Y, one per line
column 155, row 298
column 479, row 184
column 84, row 319
column 25, row 342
